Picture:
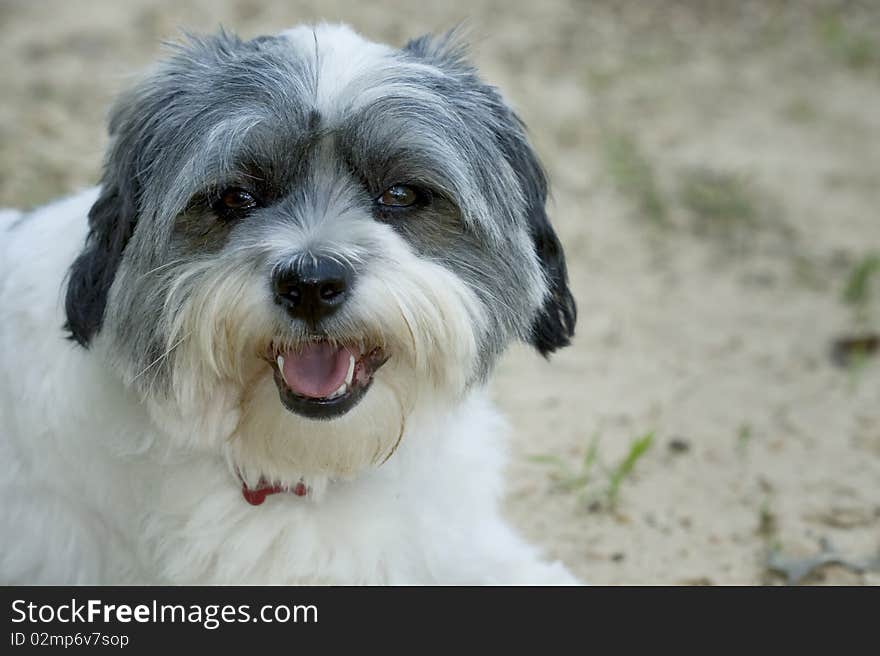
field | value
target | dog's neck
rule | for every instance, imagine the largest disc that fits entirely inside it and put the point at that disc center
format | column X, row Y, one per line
column 257, row 495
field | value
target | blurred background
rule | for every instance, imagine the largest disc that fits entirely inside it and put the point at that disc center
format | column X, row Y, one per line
column 715, row 169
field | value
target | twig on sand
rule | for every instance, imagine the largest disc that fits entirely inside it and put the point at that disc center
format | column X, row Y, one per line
column 796, row 569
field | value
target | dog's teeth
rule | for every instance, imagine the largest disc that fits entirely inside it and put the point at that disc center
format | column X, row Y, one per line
column 280, row 362
column 350, row 373
column 342, row 390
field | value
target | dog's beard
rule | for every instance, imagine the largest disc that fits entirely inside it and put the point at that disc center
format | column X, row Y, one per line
column 223, row 394
column 272, row 443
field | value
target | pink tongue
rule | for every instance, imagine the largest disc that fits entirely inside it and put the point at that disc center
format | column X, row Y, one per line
column 317, row 370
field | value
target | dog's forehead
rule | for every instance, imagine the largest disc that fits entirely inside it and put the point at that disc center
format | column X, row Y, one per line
column 339, row 56
column 349, row 71
column 304, row 83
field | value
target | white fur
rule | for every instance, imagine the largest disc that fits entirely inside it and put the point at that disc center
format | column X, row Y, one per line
column 100, row 487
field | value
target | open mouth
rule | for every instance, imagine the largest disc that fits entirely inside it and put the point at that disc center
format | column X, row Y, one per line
column 322, row 379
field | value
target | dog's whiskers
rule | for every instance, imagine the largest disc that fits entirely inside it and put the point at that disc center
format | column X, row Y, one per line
column 403, row 414
column 161, row 357
column 160, row 267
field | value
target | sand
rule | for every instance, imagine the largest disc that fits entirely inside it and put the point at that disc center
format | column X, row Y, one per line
column 706, row 317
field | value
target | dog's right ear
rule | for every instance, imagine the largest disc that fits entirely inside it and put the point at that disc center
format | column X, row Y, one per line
column 111, row 224
column 112, row 220
column 134, row 119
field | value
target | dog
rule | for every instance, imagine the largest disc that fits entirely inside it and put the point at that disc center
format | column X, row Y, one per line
column 257, row 352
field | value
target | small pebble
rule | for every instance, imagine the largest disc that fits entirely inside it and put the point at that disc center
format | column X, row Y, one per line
column 678, row 445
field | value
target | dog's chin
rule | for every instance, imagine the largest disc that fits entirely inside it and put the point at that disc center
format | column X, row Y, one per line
column 324, row 380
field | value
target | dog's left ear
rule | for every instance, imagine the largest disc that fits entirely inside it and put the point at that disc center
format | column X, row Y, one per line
column 553, row 327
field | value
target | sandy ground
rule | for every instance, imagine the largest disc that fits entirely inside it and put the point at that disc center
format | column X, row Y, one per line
column 716, row 177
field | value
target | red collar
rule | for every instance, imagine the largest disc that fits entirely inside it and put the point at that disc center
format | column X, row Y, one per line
column 257, row 495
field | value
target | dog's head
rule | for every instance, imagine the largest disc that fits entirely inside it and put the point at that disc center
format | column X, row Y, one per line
column 301, row 238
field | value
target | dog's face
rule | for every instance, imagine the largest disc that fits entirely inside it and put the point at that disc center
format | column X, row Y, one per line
column 300, row 239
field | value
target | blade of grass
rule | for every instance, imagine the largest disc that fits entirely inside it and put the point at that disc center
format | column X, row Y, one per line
column 590, row 458
column 633, row 175
column 857, row 291
column 636, row 450
column 546, row 459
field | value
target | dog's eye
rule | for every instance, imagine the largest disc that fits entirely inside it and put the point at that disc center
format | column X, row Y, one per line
column 233, row 203
column 237, row 199
column 399, row 196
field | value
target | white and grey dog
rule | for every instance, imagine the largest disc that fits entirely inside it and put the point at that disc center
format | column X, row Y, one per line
column 257, row 353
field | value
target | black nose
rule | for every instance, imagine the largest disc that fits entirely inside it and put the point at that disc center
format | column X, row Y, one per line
column 312, row 288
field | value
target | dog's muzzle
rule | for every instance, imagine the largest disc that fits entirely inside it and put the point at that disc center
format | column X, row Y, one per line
column 319, row 378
